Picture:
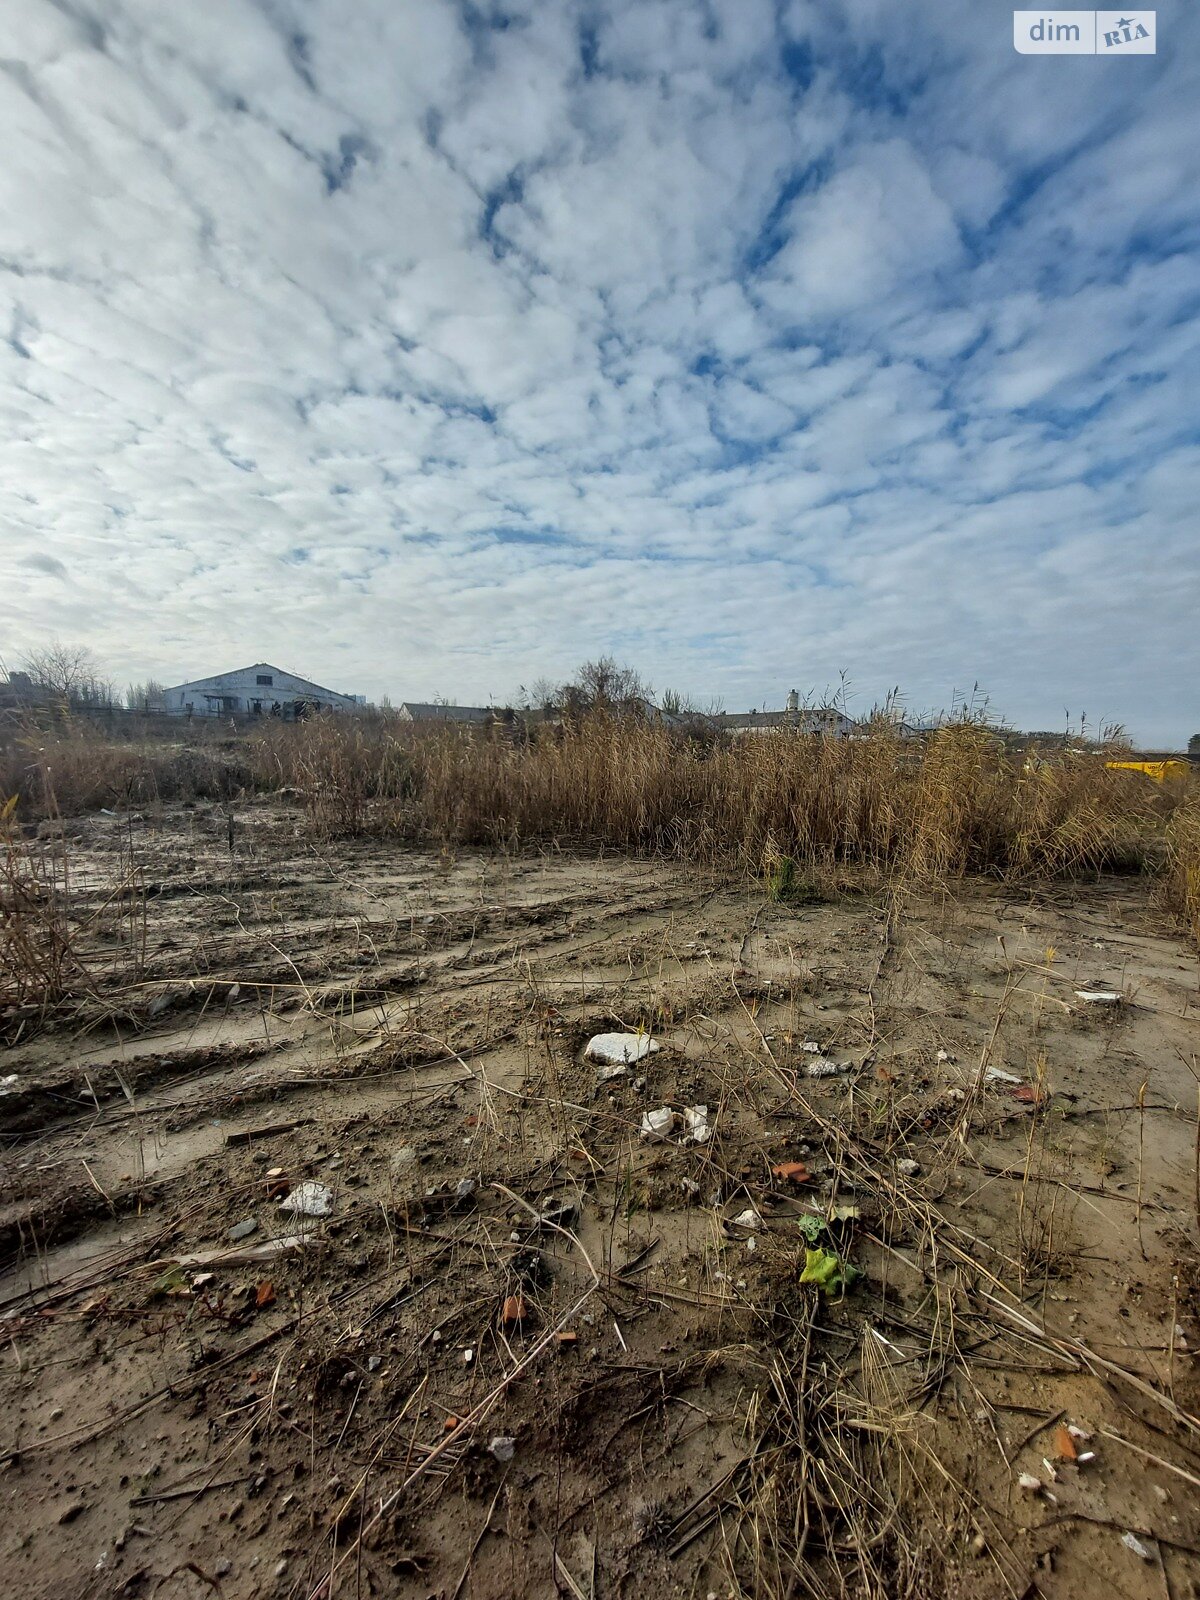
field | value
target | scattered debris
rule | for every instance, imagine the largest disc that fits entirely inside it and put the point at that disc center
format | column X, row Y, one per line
column 269, row 1250
column 791, row 1172
column 658, row 1124
column 620, row 1047
column 695, row 1119
column 1134, row 1544
column 748, row 1219
column 945, row 1056
column 9, row 1083
column 264, row 1293
column 811, row 1047
column 249, row 1135
column 1029, row 1483
column 607, row 1074
column 502, row 1447
column 243, row 1230
column 513, row 1312
column 1064, row 1444
column 997, row 1075
column 311, row 1199
column 908, row 1168
column 559, row 1215
column 1099, row 997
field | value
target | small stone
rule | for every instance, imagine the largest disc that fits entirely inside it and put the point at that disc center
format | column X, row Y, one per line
column 620, row 1047
column 69, row 1512
column 243, row 1230
column 502, row 1447
column 309, row 1200
column 223, row 1567
column 908, row 1168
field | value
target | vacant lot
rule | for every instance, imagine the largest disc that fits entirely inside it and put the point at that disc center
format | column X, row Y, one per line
column 529, row 1350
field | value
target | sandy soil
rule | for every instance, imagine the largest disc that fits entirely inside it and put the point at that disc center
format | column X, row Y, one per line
column 310, row 1410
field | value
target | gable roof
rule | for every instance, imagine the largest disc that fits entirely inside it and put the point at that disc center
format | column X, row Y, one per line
column 256, row 667
column 420, row 711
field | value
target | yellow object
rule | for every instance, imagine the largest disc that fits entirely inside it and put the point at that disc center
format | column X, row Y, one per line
column 1160, row 771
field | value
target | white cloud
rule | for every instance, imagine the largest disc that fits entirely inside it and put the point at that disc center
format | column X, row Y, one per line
column 398, row 347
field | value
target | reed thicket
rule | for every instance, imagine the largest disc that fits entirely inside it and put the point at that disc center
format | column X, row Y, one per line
column 958, row 802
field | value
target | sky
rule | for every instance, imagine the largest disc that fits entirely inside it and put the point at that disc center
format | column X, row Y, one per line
column 430, row 347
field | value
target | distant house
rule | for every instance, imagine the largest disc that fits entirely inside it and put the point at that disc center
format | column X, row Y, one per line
column 418, row 711
column 18, row 692
column 258, row 691
column 828, row 721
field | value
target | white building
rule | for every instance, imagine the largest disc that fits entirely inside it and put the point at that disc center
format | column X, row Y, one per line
column 830, row 722
column 261, row 690
column 422, row 711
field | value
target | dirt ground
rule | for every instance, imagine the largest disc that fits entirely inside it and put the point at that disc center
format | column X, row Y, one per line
column 531, row 1351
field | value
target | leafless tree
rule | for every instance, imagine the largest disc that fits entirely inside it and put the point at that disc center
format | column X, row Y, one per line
column 146, row 696
column 69, row 671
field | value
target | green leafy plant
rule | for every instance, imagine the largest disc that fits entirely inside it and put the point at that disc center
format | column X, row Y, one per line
column 829, row 1271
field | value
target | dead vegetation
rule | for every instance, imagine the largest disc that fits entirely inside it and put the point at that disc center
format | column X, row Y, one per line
column 957, row 802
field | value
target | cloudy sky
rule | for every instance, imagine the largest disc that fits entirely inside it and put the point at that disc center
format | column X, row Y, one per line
column 434, row 345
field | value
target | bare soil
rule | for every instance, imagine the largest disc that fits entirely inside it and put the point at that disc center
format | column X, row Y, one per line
column 311, row 1410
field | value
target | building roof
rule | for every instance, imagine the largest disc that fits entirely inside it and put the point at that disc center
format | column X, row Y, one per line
column 419, row 711
column 802, row 718
column 256, row 667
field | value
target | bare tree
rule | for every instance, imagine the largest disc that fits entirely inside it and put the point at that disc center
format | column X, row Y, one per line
column 69, row 671
column 607, row 685
column 599, row 685
column 541, row 695
column 146, row 696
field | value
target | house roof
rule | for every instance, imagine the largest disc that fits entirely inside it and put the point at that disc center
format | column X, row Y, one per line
column 419, row 711
column 261, row 666
column 802, row 718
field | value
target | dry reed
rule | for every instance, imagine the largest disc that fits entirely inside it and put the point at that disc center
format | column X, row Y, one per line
column 959, row 802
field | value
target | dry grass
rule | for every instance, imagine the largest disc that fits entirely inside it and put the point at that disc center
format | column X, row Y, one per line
column 959, row 803
column 1183, row 863
column 38, row 958
column 86, row 767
